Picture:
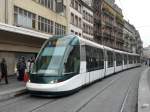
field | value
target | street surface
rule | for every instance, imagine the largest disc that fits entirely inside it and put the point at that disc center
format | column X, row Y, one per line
column 117, row 93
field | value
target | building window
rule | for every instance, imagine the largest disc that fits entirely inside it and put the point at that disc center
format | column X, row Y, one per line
column 72, row 18
column 45, row 25
column 72, row 3
column 76, row 33
column 60, row 29
column 47, row 3
column 84, row 14
column 76, row 5
column 80, row 34
column 72, row 31
column 79, row 8
column 88, row 17
column 24, row 18
column 76, row 21
column 84, row 27
column 80, row 22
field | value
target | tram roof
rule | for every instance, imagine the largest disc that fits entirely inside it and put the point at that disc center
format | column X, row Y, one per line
column 105, row 47
column 91, row 42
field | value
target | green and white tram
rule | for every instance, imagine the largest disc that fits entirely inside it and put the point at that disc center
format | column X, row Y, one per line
column 66, row 63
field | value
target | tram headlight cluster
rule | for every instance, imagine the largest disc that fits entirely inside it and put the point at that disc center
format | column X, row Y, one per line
column 53, row 81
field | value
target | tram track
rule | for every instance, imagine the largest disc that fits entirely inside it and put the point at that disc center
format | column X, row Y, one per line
column 49, row 102
column 129, row 90
column 29, row 98
column 126, row 96
column 85, row 103
column 108, row 85
column 122, row 108
column 98, row 93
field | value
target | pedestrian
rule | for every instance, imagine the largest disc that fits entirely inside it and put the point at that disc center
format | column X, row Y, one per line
column 28, row 65
column 18, row 69
column 21, row 69
column 27, row 71
column 32, row 62
column 4, row 70
column 146, row 62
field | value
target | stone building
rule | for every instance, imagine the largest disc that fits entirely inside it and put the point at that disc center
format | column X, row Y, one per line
column 112, row 25
column 129, row 37
column 80, row 18
column 108, row 21
column 132, row 39
column 88, row 23
column 97, row 11
column 26, row 24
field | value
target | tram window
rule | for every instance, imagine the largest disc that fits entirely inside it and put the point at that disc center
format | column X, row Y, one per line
column 134, row 59
column 83, row 53
column 110, row 59
column 118, row 59
column 94, row 58
column 139, row 59
column 72, row 62
column 130, row 59
column 101, row 59
column 88, row 59
column 49, row 60
column 57, row 56
column 125, row 59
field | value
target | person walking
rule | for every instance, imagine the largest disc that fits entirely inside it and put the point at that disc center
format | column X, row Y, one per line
column 32, row 62
column 4, row 70
column 21, row 66
column 18, row 69
column 28, row 65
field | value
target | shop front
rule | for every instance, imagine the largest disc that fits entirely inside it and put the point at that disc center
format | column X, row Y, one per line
column 17, row 42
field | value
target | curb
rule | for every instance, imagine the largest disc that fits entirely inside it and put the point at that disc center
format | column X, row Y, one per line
column 144, row 93
column 12, row 93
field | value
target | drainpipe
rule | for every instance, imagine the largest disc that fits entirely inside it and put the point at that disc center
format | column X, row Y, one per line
column 6, row 11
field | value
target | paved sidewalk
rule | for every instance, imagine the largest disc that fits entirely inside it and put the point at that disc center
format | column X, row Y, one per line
column 14, row 88
column 144, row 92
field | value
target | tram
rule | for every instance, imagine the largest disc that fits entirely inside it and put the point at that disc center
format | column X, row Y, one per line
column 67, row 63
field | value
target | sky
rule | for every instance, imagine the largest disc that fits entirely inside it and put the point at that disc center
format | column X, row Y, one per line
column 137, row 12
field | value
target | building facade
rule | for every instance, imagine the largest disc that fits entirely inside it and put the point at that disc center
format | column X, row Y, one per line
column 112, row 25
column 129, row 37
column 75, row 17
column 132, row 39
column 139, row 44
column 97, row 10
column 25, row 25
column 108, row 23
column 80, row 19
column 88, row 23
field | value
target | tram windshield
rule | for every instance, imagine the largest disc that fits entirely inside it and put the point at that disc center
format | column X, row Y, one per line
column 59, row 56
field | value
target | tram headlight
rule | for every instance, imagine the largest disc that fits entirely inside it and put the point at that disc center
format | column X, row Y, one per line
column 53, row 81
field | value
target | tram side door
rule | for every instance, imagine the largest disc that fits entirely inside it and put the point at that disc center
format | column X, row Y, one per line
column 84, row 75
column 83, row 65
